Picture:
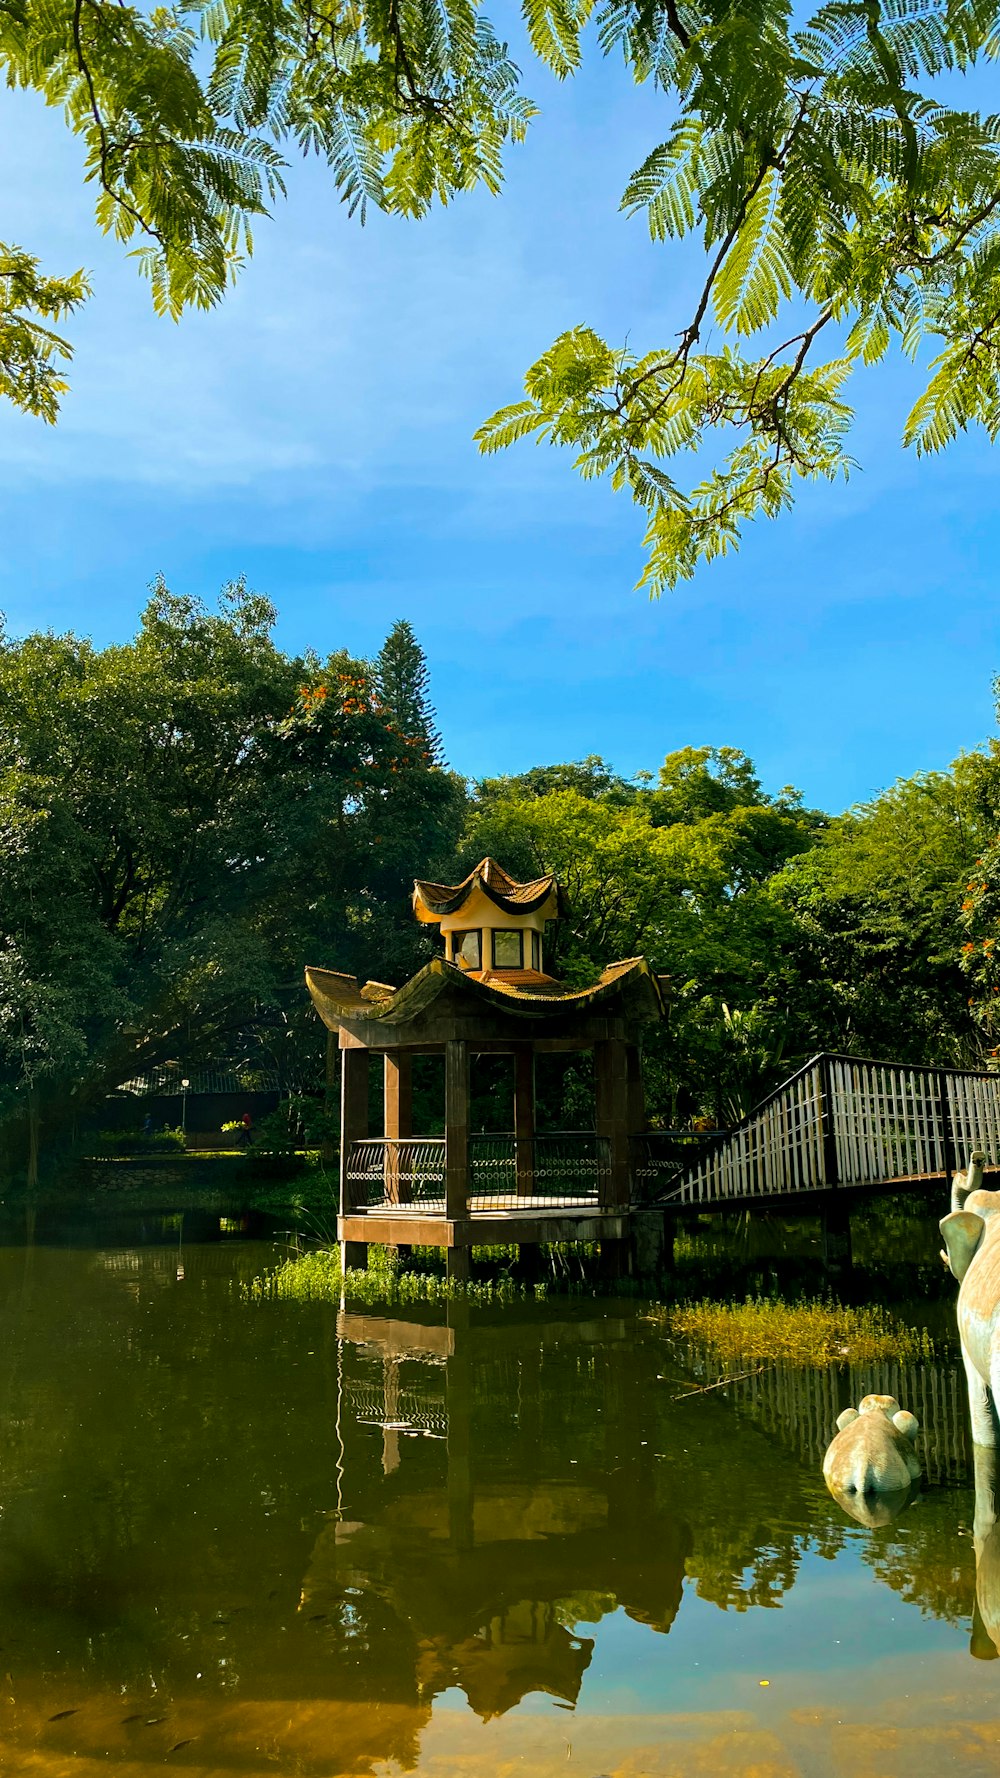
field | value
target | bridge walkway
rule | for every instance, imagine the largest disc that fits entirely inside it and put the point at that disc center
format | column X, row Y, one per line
column 841, row 1122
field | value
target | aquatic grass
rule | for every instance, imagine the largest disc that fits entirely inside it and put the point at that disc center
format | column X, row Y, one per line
column 809, row 1334
column 315, row 1276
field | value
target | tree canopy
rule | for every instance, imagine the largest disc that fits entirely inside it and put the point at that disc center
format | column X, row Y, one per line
column 676, row 869
column 846, row 205
column 187, row 818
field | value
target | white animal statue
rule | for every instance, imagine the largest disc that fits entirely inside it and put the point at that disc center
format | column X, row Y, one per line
column 985, row 1644
column 972, row 1242
column 873, row 1453
column 969, row 1181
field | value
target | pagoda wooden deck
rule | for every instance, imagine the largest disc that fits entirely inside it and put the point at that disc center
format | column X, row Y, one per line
column 840, row 1129
column 407, row 1226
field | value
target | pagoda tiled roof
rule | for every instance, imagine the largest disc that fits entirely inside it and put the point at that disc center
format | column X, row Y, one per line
column 433, row 901
column 526, row 993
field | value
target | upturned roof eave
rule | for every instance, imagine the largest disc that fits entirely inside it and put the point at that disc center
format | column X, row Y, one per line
column 437, row 901
column 339, row 1000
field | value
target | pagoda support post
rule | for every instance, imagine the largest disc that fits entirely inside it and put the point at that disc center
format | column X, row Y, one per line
column 835, row 1229
column 524, row 1119
column 353, row 1128
column 456, row 1264
column 611, row 1068
column 636, row 1096
column 398, row 1123
column 456, row 1128
column 612, row 1081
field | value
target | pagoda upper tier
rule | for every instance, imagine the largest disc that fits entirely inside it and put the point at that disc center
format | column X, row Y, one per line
column 492, row 926
column 493, row 929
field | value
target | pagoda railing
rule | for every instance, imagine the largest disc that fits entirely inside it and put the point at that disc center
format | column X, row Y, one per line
column 387, row 1172
column 658, row 1159
column 567, row 1169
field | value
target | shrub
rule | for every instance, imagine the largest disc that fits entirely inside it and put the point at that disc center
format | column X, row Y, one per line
column 129, row 1142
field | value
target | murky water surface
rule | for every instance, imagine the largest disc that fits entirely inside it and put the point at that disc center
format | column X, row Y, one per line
column 256, row 1539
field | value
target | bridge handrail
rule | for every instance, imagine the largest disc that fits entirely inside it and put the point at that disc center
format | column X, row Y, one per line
column 883, row 1062
column 843, row 1119
column 821, row 1056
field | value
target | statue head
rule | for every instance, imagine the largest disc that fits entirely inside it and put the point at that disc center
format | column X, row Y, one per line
column 888, row 1407
column 965, row 1229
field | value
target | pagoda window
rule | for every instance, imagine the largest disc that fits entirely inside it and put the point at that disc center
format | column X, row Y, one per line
column 508, row 952
column 536, row 950
column 467, row 949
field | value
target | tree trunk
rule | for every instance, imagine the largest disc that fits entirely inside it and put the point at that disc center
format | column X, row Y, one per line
column 34, row 1128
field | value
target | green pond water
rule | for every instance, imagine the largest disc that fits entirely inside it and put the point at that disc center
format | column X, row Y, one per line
column 281, row 1538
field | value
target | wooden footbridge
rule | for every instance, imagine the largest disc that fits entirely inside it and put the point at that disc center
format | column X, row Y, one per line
column 840, row 1122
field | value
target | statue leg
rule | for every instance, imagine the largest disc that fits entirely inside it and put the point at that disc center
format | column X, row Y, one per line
column 984, row 1424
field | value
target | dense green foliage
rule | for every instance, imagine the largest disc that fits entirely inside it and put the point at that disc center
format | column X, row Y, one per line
column 185, row 820
column 839, row 194
column 783, row 931
column 980, row 912
column 676, row 868
column 189, row 818
column 877, row 917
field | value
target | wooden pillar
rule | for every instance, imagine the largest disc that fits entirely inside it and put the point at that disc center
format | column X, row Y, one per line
column 390, row 1413
column 456, row 1128
column 456, row 1264
column 353, row 1128
column 614, row 1260
column 612, row 1082
column 458, row 1397
column 524, row 1119
column 398, row 1122
column 636, row 1095
column 652, row 1237
column 611, row 1069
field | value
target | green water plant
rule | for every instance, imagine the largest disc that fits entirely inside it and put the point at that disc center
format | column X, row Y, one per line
column 315, row 1276
column 810, row 1334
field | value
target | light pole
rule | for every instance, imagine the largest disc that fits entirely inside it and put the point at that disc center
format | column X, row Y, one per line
column 184, row 1106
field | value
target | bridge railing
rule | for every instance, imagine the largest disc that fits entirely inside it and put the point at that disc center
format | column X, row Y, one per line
column 779, row 1148
column 845, row 1121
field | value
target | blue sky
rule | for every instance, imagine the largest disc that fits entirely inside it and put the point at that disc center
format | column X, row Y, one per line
column 315, row 433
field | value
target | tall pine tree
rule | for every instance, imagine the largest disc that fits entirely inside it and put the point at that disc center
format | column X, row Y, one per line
column 404, row 689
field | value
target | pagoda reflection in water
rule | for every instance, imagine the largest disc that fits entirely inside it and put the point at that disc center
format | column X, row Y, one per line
column 486, row 1545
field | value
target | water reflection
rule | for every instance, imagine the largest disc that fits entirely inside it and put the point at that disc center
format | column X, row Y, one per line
column 256, row 1538
column 489, row 1568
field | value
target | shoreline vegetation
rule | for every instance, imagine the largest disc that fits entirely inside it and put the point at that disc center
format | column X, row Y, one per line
column 811, row 1333
column 235, row 811
column 808, row 1335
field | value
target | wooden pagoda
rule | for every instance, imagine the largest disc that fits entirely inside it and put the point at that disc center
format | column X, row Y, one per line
column 488, row 994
